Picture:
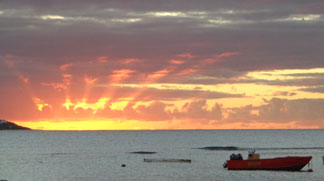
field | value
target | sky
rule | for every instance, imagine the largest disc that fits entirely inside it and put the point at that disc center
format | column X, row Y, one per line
column 171, row 64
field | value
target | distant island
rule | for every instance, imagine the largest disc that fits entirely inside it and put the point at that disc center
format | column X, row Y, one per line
column 6, row 125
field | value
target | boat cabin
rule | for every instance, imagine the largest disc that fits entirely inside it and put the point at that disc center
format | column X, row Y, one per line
column 253, row 156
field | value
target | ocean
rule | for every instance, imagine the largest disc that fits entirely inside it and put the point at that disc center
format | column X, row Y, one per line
column 112, row 155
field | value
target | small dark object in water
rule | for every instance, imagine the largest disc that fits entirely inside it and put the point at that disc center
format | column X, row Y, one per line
column 123, row 165
column 220, row 148
column 167, row 160
column 143, row 152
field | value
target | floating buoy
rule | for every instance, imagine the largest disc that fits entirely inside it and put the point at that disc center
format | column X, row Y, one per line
column 310, row 170
column 123, row 165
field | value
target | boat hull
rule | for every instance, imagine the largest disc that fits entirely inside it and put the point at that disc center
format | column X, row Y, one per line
column 281, row 163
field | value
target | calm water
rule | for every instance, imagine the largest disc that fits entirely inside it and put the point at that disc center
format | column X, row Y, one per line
column 98, row 155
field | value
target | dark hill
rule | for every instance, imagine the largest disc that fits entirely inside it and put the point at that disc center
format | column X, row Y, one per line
column 5, row 125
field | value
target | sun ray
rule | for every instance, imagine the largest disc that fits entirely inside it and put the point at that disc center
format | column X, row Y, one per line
column 11, row 62
column 90, row 82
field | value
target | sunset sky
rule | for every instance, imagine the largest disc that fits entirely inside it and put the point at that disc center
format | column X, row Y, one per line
column 171, row 64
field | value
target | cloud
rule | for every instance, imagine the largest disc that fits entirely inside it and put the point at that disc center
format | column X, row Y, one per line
column 90, row 80
column 102, row 59
column 159, row 109
column 188, row 71
column 319, row 89
column 83, row 51
column 187, row 24
column 301, row 111
column 198, row 110
column 157, row 75
column 119, row 75
column 65, row 67
column 131, row 60
column 176, row 62
column 186, row 55
column 284, row 93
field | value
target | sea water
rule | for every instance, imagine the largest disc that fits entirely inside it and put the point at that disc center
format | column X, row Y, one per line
column 107, row 155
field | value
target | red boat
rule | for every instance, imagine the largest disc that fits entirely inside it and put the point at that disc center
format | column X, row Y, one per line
column 255, row 163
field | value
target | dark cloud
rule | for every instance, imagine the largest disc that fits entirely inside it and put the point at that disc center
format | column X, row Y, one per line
column 269, row 36
column 198, row 112
column 319, row 89
column 302, row 111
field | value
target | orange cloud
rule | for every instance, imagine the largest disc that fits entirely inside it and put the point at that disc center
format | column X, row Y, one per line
column 67, row 78
column 58, row 86
column 158, row 74
column 40, row 103
column 67, row 104
column 227, row 54
column 67, row 75
column 130, row 60
column 120, row 104
column 24, row 79
column 102, row 59
column 90, row 80
column 218, row 57
column 176, row 62
column 85, row 105
column 119, row 75
column 186, row 55
column 187, row 71
column 100, row 104
column 65, row 67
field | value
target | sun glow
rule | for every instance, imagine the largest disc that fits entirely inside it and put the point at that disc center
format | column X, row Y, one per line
column 67, row 104
column 90, row 101
column 120, row 104
column 40, row 103
column 106, row 124
column 91, row 65
column 99, row 105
